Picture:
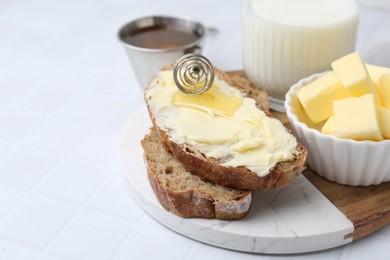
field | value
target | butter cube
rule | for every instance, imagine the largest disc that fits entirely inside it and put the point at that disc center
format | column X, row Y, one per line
column 328, row 127
column 375, row 73
column 353, row 75
column 316, row 98
column 384, row 90
column 384, row 116
column 357, row 118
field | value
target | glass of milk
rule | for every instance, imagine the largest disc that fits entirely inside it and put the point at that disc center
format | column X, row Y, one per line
column 287, row 40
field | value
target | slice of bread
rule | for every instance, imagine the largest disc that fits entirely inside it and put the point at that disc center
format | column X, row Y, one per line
column 185, row 194
column 212, row 169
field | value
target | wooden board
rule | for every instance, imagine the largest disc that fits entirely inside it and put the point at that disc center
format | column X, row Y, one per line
column 368, row 208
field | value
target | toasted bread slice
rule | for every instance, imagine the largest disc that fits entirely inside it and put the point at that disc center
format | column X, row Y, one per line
column 213, row 169
column 185, row 194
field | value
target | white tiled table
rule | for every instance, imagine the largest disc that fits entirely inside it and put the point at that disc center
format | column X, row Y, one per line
column 66, row 90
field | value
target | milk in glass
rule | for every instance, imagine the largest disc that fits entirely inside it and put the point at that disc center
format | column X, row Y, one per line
column 287, row 40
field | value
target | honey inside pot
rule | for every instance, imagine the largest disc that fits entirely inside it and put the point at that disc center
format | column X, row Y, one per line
column 161, row 37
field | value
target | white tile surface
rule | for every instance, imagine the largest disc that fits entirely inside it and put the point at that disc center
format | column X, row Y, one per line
column 10, row 251
column 66, row 91
column 112, row 199
column 385, row 232
column 4, row 147
column 58, row 134
column 16, row 123
column 88, row 105
column 203, row 251
column 357, row 251
column 78, row 76
column 71, row 181
column 31, row 69
column 23, row 167
column 119, row 115
column 101, row 53
column 8, row 199
column 159, row 241
column 11, row 87
column 34, row 223
column 90, row 236
column 37, row 98
column 116, row 82
column 100, row 146
column 18, row 42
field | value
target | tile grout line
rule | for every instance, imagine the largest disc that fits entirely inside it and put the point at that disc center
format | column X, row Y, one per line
column 78, row 210
column 21, row 142
column 130, row 236
column 82, row 209
column 31, row 192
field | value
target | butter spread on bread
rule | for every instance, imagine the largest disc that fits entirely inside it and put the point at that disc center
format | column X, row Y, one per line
column 221, row 123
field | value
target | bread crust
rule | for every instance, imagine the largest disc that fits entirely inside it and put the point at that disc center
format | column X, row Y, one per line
column 189, row 202
column 236, row 177
column 241, row 178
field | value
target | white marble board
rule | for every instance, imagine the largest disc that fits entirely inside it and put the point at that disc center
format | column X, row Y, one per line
column 295, row 219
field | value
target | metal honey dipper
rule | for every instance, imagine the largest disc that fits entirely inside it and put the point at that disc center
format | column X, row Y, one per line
column 193, row 74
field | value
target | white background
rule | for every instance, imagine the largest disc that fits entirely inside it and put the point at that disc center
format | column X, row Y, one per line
column 66, row 90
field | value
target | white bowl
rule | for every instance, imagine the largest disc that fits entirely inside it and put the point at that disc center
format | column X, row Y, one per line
column 345, row 161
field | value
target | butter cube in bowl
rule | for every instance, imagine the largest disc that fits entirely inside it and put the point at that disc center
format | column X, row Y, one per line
column 347, row 137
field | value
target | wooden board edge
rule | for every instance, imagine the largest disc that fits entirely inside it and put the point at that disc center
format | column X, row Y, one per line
column 368, row 207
